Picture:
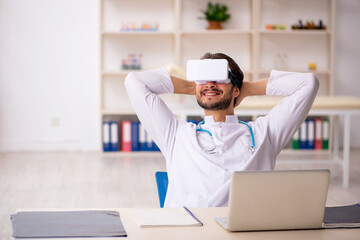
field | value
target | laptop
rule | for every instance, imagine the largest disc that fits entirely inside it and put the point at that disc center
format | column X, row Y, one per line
column 276, row 200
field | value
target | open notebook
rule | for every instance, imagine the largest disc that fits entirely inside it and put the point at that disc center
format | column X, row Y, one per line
column 165, row 217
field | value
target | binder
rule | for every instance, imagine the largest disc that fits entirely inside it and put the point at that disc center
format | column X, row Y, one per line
column 310, row 133
column 325, row 134
column 149, row 142
column 106, row 136
column 155, row 147
column 296, row 140
column 126, row 136
column 135, row 136
column 303, row 137
column 318, row 134
column 114, row 136
column 142, row 138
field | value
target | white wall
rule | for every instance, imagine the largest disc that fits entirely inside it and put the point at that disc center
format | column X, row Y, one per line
column 49, row 70
column 347, row 57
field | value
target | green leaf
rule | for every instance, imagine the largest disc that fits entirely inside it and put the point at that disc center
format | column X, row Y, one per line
column 216, row 12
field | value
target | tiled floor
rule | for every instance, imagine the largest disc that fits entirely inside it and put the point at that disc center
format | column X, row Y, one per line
column 95, row 180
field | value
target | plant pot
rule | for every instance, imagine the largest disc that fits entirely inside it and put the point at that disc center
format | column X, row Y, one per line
column 214, row 25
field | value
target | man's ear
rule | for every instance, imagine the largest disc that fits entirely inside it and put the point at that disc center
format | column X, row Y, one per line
column 236, row 92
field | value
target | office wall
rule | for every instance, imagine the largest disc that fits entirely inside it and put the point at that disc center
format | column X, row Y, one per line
column 48, row 75
column 49, row 97
column 347, row 57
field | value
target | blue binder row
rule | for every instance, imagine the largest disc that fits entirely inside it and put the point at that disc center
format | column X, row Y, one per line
column 113, row 138
column 312, row 134
column 110, row 136
column 140, row 139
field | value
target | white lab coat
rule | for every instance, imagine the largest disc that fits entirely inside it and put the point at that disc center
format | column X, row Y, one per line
column 199, row 179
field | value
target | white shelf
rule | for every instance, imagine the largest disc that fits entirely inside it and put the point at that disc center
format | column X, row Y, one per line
column 121, row 73
column 136, row 33
column 133, row 154
column 316, row 72
column 296, row 32
column 216, row 32
column 128, row 111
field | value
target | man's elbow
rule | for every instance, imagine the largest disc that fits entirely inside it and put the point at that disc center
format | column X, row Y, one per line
column 314, row 82
column 131, row 80
column 128, row 79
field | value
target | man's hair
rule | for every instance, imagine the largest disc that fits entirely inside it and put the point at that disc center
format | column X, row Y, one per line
column 234, row 67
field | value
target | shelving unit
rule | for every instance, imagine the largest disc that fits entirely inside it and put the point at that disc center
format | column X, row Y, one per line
column 182, row 36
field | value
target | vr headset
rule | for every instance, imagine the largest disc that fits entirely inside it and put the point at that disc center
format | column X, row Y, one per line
column 208, row 70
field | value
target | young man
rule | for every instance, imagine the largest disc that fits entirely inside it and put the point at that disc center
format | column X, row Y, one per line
column 200, row 162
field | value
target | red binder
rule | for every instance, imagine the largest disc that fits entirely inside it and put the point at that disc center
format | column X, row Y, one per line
column 318, row 134
column 126, row 136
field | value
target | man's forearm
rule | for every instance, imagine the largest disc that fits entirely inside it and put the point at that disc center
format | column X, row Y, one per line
column 257, row 87
column 182, row 86
column 252, row 89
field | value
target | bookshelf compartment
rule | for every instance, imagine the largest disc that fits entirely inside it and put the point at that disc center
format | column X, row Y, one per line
column 156, row 50
column 116, row 12
column 288, row 12
column 237, row 47
column 240, row 12
column 114, row 95
column 299, row 51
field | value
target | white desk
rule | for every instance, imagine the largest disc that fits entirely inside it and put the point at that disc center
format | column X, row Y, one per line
column 335, row 106
column 211, row 230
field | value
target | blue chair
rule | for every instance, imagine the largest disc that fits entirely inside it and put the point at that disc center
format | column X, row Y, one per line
column 162, row 184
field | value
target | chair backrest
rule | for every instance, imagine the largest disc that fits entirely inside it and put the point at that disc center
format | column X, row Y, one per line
column 162, row 184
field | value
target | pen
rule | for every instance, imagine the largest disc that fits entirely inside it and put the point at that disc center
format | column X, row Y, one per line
column 193, row 216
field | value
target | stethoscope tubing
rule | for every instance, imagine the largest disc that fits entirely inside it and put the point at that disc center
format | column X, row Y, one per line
column 252, row 147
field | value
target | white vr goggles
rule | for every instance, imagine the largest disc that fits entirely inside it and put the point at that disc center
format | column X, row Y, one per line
column 207, row 70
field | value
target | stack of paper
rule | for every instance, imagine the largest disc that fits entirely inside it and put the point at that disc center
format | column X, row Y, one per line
column 342, row 216
column 165, row 217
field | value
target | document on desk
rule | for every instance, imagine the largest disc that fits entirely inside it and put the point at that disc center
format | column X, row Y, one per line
column 342, row 216
column 165, row 217
column 67, row 224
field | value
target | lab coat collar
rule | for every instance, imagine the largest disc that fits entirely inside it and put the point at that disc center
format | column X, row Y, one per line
column 229, row 119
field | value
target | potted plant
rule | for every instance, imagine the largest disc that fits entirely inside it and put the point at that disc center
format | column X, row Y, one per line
column 215, row 14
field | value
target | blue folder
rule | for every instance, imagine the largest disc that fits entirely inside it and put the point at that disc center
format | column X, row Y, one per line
column 114, row 136
column 135, row 144
column 106, row 136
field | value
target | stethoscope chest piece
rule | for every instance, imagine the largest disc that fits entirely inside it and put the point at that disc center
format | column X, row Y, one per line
column 252, row 149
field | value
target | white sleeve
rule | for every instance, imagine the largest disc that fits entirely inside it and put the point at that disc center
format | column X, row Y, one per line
column 284, row 119
column 143, row 89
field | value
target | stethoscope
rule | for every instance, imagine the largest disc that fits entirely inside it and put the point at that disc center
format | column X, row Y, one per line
column 212, row 150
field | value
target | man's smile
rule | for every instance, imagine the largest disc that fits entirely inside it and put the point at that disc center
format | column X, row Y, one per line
column 211, row 92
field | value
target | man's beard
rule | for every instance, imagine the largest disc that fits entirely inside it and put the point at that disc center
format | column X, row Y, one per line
column 219, row 105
